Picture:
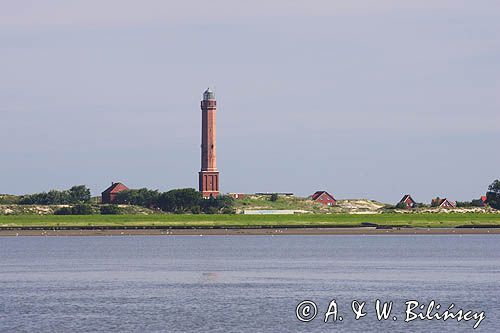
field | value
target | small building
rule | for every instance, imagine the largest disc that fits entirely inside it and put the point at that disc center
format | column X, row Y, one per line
column 109, row 194
column 237, row 196
column 324, row 198
column 407, row 202
column 443, row 203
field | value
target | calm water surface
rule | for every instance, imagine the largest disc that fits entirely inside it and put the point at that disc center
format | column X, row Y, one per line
column 241, row 283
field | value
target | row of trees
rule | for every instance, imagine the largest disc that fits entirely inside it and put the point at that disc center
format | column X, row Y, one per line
column 76, row 195
column 472, row 203
column 180, row 200
column 186, row 200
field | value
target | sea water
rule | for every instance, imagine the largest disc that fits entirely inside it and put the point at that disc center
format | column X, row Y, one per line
column 245, row 283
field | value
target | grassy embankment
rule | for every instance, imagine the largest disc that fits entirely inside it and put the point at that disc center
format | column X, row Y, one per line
column 426, row 220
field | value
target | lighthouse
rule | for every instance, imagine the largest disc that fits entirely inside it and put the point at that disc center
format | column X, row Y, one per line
column 209, row 175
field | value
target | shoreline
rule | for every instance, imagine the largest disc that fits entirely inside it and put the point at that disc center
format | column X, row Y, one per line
column 13, row 232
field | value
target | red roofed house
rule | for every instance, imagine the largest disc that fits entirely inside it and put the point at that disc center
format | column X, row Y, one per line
column 443, row 203
column 109, row 195
column 407, row 202
column 323, row 197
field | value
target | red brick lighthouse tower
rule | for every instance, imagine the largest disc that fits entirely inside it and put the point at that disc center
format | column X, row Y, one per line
column 209, row 175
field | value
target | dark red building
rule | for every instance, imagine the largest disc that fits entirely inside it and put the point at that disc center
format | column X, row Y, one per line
column 324, row 198
column 109, row 195
column 407, row 202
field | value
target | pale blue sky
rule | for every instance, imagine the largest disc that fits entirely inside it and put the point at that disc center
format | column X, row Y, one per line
column 366, row 99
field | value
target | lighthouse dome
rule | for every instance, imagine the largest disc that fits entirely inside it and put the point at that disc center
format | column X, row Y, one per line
column 208, row 95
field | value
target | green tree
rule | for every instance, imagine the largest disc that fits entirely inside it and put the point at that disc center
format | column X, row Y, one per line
column 221, row 204
column 75, row 195
column 79, row 194
column 274, row 197
column 141, row 197
column 493, row 194
column 55, row 197
column 435, row 202
column 180, row 200
column 477, row 203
